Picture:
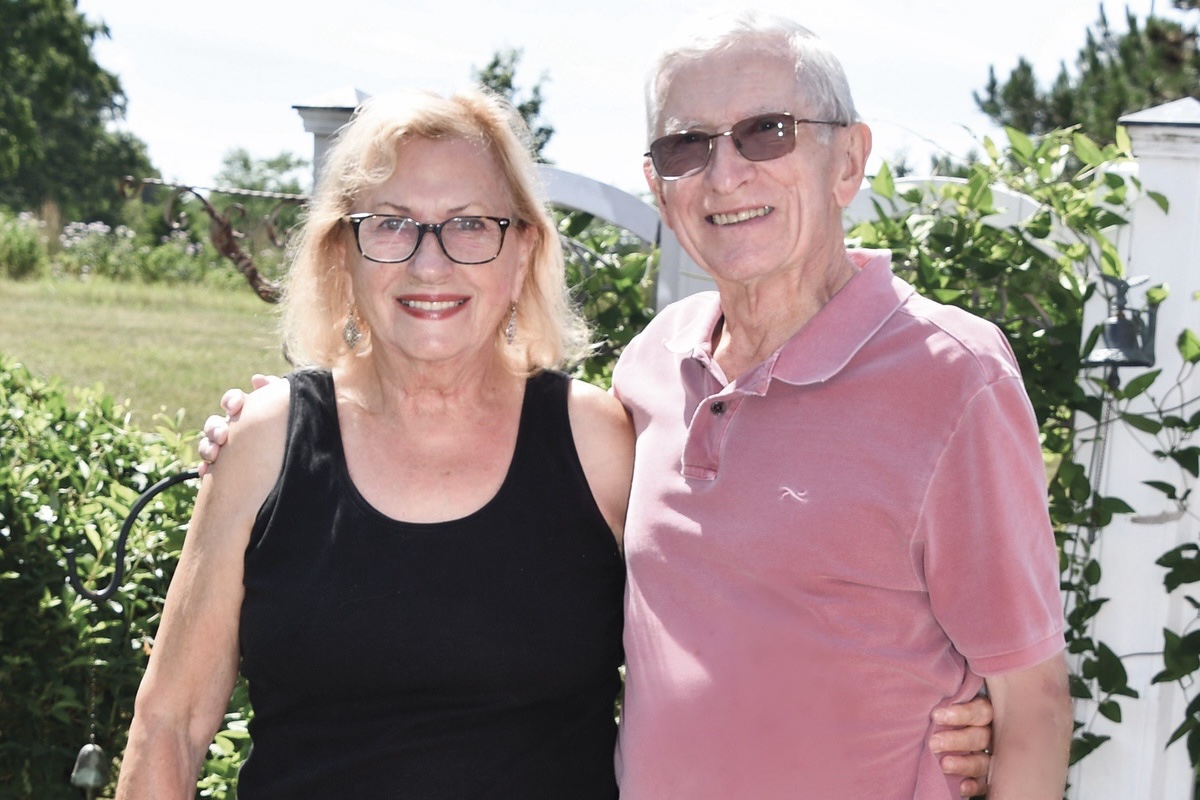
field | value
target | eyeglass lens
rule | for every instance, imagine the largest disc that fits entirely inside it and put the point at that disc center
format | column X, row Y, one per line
column 760, row 138
column 465, row 240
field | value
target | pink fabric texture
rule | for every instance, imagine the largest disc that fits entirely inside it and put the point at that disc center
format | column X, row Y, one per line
column 821, row 552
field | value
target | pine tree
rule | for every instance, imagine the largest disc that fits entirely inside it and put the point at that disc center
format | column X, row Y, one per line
column 499, row 76
column 1115, row 74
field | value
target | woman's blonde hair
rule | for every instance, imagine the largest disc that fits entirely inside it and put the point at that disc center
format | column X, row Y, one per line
column 317, row 293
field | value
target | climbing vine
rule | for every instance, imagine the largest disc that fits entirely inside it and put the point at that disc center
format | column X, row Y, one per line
column 1032, row 276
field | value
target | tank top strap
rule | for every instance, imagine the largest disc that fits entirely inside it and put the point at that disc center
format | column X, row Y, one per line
column 312, row 414
column 546, row 468
column 545, row 421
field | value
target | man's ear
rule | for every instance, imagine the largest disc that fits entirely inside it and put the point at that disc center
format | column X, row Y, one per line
column 655, row 184
column 854, row 148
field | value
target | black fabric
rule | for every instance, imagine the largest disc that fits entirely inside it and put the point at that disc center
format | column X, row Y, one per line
column 475, row 658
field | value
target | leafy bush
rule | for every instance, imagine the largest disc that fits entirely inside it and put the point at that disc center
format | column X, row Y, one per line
column 23, row 252
column 610, row 274
column 73, row 469
column 96, row 249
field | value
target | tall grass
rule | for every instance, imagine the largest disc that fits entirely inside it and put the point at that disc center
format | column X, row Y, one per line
column 155, row 348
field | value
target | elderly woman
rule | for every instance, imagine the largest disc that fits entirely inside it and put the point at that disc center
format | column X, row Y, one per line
column 412, row 544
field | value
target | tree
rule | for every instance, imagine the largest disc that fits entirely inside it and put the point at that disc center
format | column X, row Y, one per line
column 284, row 174
column 263, row 202
column 57, row 107
column 498, row 76
column 1116, row 74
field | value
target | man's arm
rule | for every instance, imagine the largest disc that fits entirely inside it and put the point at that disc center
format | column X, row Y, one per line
column 1034, row 723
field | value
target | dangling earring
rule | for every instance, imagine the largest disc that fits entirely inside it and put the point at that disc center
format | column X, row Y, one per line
column 510, row 330
column 350, row 332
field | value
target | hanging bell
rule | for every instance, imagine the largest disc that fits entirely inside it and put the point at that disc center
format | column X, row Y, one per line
column 91, row 768
column 1126, row 341
column 1127, row 338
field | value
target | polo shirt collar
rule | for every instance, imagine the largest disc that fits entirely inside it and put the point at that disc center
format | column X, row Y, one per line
column 694, row 335
column 824, row 346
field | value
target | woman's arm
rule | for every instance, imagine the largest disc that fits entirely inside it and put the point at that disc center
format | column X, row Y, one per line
column 1033, row 727
column 184, row 693
column 964, row 747
column 604, row 440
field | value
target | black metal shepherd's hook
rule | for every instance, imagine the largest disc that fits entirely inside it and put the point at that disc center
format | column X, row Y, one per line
column 119, row 571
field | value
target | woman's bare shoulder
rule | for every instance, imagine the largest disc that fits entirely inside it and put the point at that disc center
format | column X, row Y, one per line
column 593, row 404
column 253, row 455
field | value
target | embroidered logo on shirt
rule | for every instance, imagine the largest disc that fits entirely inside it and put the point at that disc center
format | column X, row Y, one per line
column 799, row 497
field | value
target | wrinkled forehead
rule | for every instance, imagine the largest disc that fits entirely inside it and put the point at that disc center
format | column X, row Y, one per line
column 719, row 88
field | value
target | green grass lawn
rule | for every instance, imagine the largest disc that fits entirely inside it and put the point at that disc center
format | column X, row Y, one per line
column 153, row 348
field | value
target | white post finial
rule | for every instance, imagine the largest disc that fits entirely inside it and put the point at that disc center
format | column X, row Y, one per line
column 323, row 115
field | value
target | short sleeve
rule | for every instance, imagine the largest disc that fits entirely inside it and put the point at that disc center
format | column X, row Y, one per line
column 990, row 559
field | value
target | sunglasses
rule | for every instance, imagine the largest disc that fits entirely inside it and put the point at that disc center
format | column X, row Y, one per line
column 759, row 138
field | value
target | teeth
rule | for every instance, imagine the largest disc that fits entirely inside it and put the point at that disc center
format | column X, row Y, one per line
column 431, row 305
column 741, row 216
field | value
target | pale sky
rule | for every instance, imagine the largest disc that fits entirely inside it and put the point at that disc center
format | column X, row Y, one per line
column 204, row 78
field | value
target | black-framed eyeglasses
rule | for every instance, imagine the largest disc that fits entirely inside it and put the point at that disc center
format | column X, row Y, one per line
column 391, row 239
column 758, row 138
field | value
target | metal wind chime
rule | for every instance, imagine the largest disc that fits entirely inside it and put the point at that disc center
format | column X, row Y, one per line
column 90, row 772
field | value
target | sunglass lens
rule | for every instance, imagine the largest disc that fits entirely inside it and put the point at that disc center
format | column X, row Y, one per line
column 680, row 154
column 765, row 137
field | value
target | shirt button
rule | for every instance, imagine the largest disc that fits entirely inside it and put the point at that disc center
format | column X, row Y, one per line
column 718, row 407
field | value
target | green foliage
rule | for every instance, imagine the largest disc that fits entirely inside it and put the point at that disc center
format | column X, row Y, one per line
column 57, row 146
column 72, row 474
column 282, row 173
column 499, row 76
column 74, row 467
column 229, row 748
column 265, row 219
column 1115, row 74
column 96, row 250
column 611, row 277
column 23, row 252
column 1178, row 420
column 245, row 221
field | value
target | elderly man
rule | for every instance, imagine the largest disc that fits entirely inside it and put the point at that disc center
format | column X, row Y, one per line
column 838, row 520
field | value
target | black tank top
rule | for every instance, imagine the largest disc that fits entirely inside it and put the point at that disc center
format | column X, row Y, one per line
column 476, row 658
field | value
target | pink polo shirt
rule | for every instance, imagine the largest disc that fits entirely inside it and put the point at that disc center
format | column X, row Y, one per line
column 827, row 548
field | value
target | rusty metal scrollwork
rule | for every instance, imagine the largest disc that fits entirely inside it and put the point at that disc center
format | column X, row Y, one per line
column 226, row 230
